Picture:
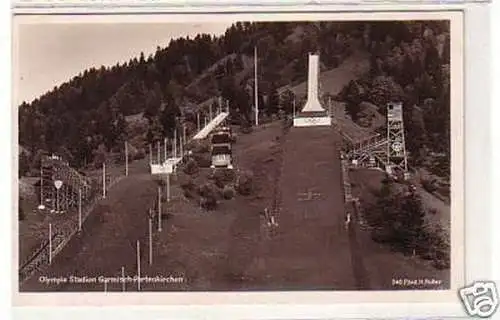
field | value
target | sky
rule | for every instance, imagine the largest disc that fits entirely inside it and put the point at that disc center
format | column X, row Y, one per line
column 51, row 54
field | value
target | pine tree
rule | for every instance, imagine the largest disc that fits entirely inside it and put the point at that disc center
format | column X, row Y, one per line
column 155, row 131
column 24, row 164
column 411, row 217
column 287, row 99
column 167, row 122
column 273, row 103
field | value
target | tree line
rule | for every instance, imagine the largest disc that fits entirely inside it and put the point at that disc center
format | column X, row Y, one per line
column 89, row 112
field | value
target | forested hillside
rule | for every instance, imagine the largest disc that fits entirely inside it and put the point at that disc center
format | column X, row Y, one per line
column 411, row 63
column 87, row 115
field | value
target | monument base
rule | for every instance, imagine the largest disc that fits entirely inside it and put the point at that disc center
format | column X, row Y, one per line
column 312, row 119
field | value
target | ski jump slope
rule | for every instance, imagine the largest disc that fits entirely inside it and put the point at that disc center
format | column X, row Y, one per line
column 211, row 126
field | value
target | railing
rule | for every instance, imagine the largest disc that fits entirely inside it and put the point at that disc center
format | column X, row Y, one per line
column 346, row 182
column 359, row 214
column 369, row 143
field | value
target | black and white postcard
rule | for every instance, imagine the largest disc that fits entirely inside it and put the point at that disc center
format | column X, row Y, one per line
column 317, row 155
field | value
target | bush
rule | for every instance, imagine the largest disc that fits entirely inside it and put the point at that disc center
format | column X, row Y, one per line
column 208, row 190
column 208, row 203
column 228, row 192
column 245, row 184
column 223, row 176
column 202, row 160
column 209, row 196
column 24, row 164
column 200, row 146
column 189, row 188
column 287, row 123
column 429, row 185
column 435, row 246
column 246, row 129
column 191, row 167
column 140, row 154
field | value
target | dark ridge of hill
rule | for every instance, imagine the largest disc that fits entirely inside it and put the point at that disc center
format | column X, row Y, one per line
column 85, row 116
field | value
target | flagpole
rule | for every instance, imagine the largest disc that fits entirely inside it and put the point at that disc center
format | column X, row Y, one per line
column 41, row 185
column 126, row 158
column 150, row 241
column 138, row 267
column 104, row 180
column 175, row 143
column 159, row 209
column 184, row 133
column 158, row 151
column 150, row 154
column 80, row 209
column 50, row 243
column 165, row 142
column 168, row 187
column 123, row 278
column 256, row 97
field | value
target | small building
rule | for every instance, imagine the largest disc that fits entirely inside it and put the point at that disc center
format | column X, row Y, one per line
column 221, row 157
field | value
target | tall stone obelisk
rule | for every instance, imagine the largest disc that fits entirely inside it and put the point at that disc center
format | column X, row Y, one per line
column 313, row 114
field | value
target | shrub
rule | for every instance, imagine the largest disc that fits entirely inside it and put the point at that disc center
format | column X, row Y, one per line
column 287, row 123
column 223, row 176
column 246, row 129
column 160, row 180
column 208, row 193
column 207, row 190
column 200, row 146
column 189, row 188
column 228, row 192
column 202, row 160
column 435, row 246
column 429, row 185
column 245, row 184
column 24, row 164
column 191, row 167
column 140, row 154
column 209, row 203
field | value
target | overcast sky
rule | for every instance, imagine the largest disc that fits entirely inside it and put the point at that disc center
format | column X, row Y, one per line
column 51, row 54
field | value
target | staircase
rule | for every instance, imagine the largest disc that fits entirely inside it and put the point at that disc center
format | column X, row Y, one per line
column 374, row 145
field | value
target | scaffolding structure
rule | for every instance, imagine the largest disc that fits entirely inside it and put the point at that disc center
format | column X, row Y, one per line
column 396, row 149
column 389, row 152
column 74, row 184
